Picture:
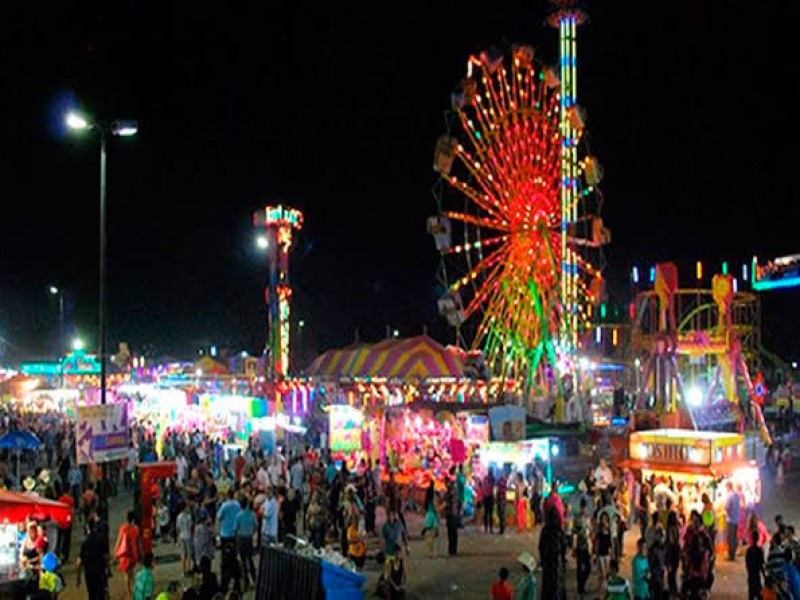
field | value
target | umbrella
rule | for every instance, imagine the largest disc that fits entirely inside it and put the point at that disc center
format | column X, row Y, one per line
column 20, row 439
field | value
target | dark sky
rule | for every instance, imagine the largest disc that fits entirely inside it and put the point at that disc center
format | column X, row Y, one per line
column 335, row 110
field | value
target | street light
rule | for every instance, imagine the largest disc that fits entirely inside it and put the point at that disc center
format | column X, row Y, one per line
column 122, row 128
column 262, row 242
column 54, row 291
column 77, row 344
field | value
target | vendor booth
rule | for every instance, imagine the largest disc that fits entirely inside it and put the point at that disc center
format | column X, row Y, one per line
column 16, row 509
column 696, row 462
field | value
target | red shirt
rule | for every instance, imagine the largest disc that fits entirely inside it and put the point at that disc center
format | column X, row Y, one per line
column 501, row 590
column 67, row 499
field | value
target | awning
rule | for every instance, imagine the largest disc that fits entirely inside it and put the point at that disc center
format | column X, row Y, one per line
column 418, row 357
column 19, row 507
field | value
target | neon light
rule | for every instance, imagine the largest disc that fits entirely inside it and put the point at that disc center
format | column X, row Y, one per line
column 699, row 270
column 598, row 335
column 775, row 284
column 735, row 286
column 652, row 274
column 635, row 274
column 744, row 272
column 603, row 310
column 614, row 337
column 724, row 268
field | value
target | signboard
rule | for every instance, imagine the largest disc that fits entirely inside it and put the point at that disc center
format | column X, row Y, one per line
column 507, row 422
column 699, row 448
column 102, row 434
column 345, row 424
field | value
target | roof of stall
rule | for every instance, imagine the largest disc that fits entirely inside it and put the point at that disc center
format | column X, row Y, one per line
column 419, row 357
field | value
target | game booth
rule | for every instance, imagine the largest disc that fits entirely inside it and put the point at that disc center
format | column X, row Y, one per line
column 697, row 462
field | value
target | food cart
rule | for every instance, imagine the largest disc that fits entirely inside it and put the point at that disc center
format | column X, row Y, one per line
column 696, row 462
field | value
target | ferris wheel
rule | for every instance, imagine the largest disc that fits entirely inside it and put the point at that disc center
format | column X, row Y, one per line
column 517, row 232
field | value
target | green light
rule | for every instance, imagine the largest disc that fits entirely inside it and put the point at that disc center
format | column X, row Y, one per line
column 477, row 135
column 724, row 268
column 603, row 310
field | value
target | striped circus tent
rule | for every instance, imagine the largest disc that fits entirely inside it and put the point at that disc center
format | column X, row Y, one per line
column 419, row 357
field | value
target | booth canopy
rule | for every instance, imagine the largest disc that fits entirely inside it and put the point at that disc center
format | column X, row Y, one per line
column 419, row 357
column 17, row 507
column 209, row 366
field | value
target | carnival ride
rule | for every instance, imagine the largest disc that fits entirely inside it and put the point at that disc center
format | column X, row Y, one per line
column 698, row 347
column 278, row 223
column 526, row 243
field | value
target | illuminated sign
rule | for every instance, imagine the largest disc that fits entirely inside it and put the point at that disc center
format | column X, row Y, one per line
column 673, row 446
column 345, row 424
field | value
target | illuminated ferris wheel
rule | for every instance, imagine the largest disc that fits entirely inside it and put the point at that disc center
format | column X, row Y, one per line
column 518, row 218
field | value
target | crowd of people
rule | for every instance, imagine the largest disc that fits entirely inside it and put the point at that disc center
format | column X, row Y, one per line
column 221, row 507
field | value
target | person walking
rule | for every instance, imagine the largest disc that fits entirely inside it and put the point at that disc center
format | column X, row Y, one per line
column 245, row 528
column 551, row 552
column 487, row 488
column 502, row 488
column 452, row 508
column 431, row 528
column 184, row 526
column 92, row 564
column 128, row 549
column 732, row 508
column 581, row 530
column 756, row 564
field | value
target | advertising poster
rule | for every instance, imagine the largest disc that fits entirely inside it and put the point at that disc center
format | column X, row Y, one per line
column 507, row 423
column 345, row 425
column 102, row 434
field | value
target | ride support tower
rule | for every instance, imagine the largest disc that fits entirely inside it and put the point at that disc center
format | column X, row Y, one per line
column 567, row 17
column 278, row 223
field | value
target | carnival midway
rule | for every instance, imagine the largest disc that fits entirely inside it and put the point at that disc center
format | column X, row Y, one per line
column 560, row 444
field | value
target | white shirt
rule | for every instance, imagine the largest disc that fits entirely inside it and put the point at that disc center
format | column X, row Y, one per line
column 275, row 473
column 184, row 525
column 262, row 477
column 133, row 458
column 182, row 466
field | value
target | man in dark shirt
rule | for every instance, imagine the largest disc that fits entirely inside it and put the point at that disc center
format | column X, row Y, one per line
column 754, row 561
column 92, row 562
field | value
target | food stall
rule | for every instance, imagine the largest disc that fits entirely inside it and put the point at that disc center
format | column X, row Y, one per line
column 696, row 462
column 15, row 511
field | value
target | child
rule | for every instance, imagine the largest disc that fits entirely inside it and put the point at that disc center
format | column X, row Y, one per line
column 162, row 519
column 501, row 589
column 617, row 588
column 640, row 569
column 356, row 547
column 143, row 584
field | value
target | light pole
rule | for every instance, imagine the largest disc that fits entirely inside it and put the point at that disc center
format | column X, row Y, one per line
column 55, row 291
column 119, row 128
column 104, row 129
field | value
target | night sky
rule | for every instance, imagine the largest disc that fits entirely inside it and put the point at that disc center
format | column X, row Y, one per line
column 335, row 110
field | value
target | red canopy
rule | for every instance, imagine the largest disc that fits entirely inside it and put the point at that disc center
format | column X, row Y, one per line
column 17, row 508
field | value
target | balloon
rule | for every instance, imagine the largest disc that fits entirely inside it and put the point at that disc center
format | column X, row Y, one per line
column 50, row 562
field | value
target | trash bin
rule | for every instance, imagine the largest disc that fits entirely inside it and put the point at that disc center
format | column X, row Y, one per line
column 342, row 584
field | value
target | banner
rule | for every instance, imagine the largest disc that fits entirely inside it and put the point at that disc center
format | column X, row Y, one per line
column 507, row 422
column 102, row 434
column 344, row 430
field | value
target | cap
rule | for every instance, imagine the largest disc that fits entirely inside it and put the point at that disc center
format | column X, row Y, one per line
column 527, row 560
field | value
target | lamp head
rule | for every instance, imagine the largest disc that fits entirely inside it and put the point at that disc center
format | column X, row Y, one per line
column 124, row 127
column 77, row 121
